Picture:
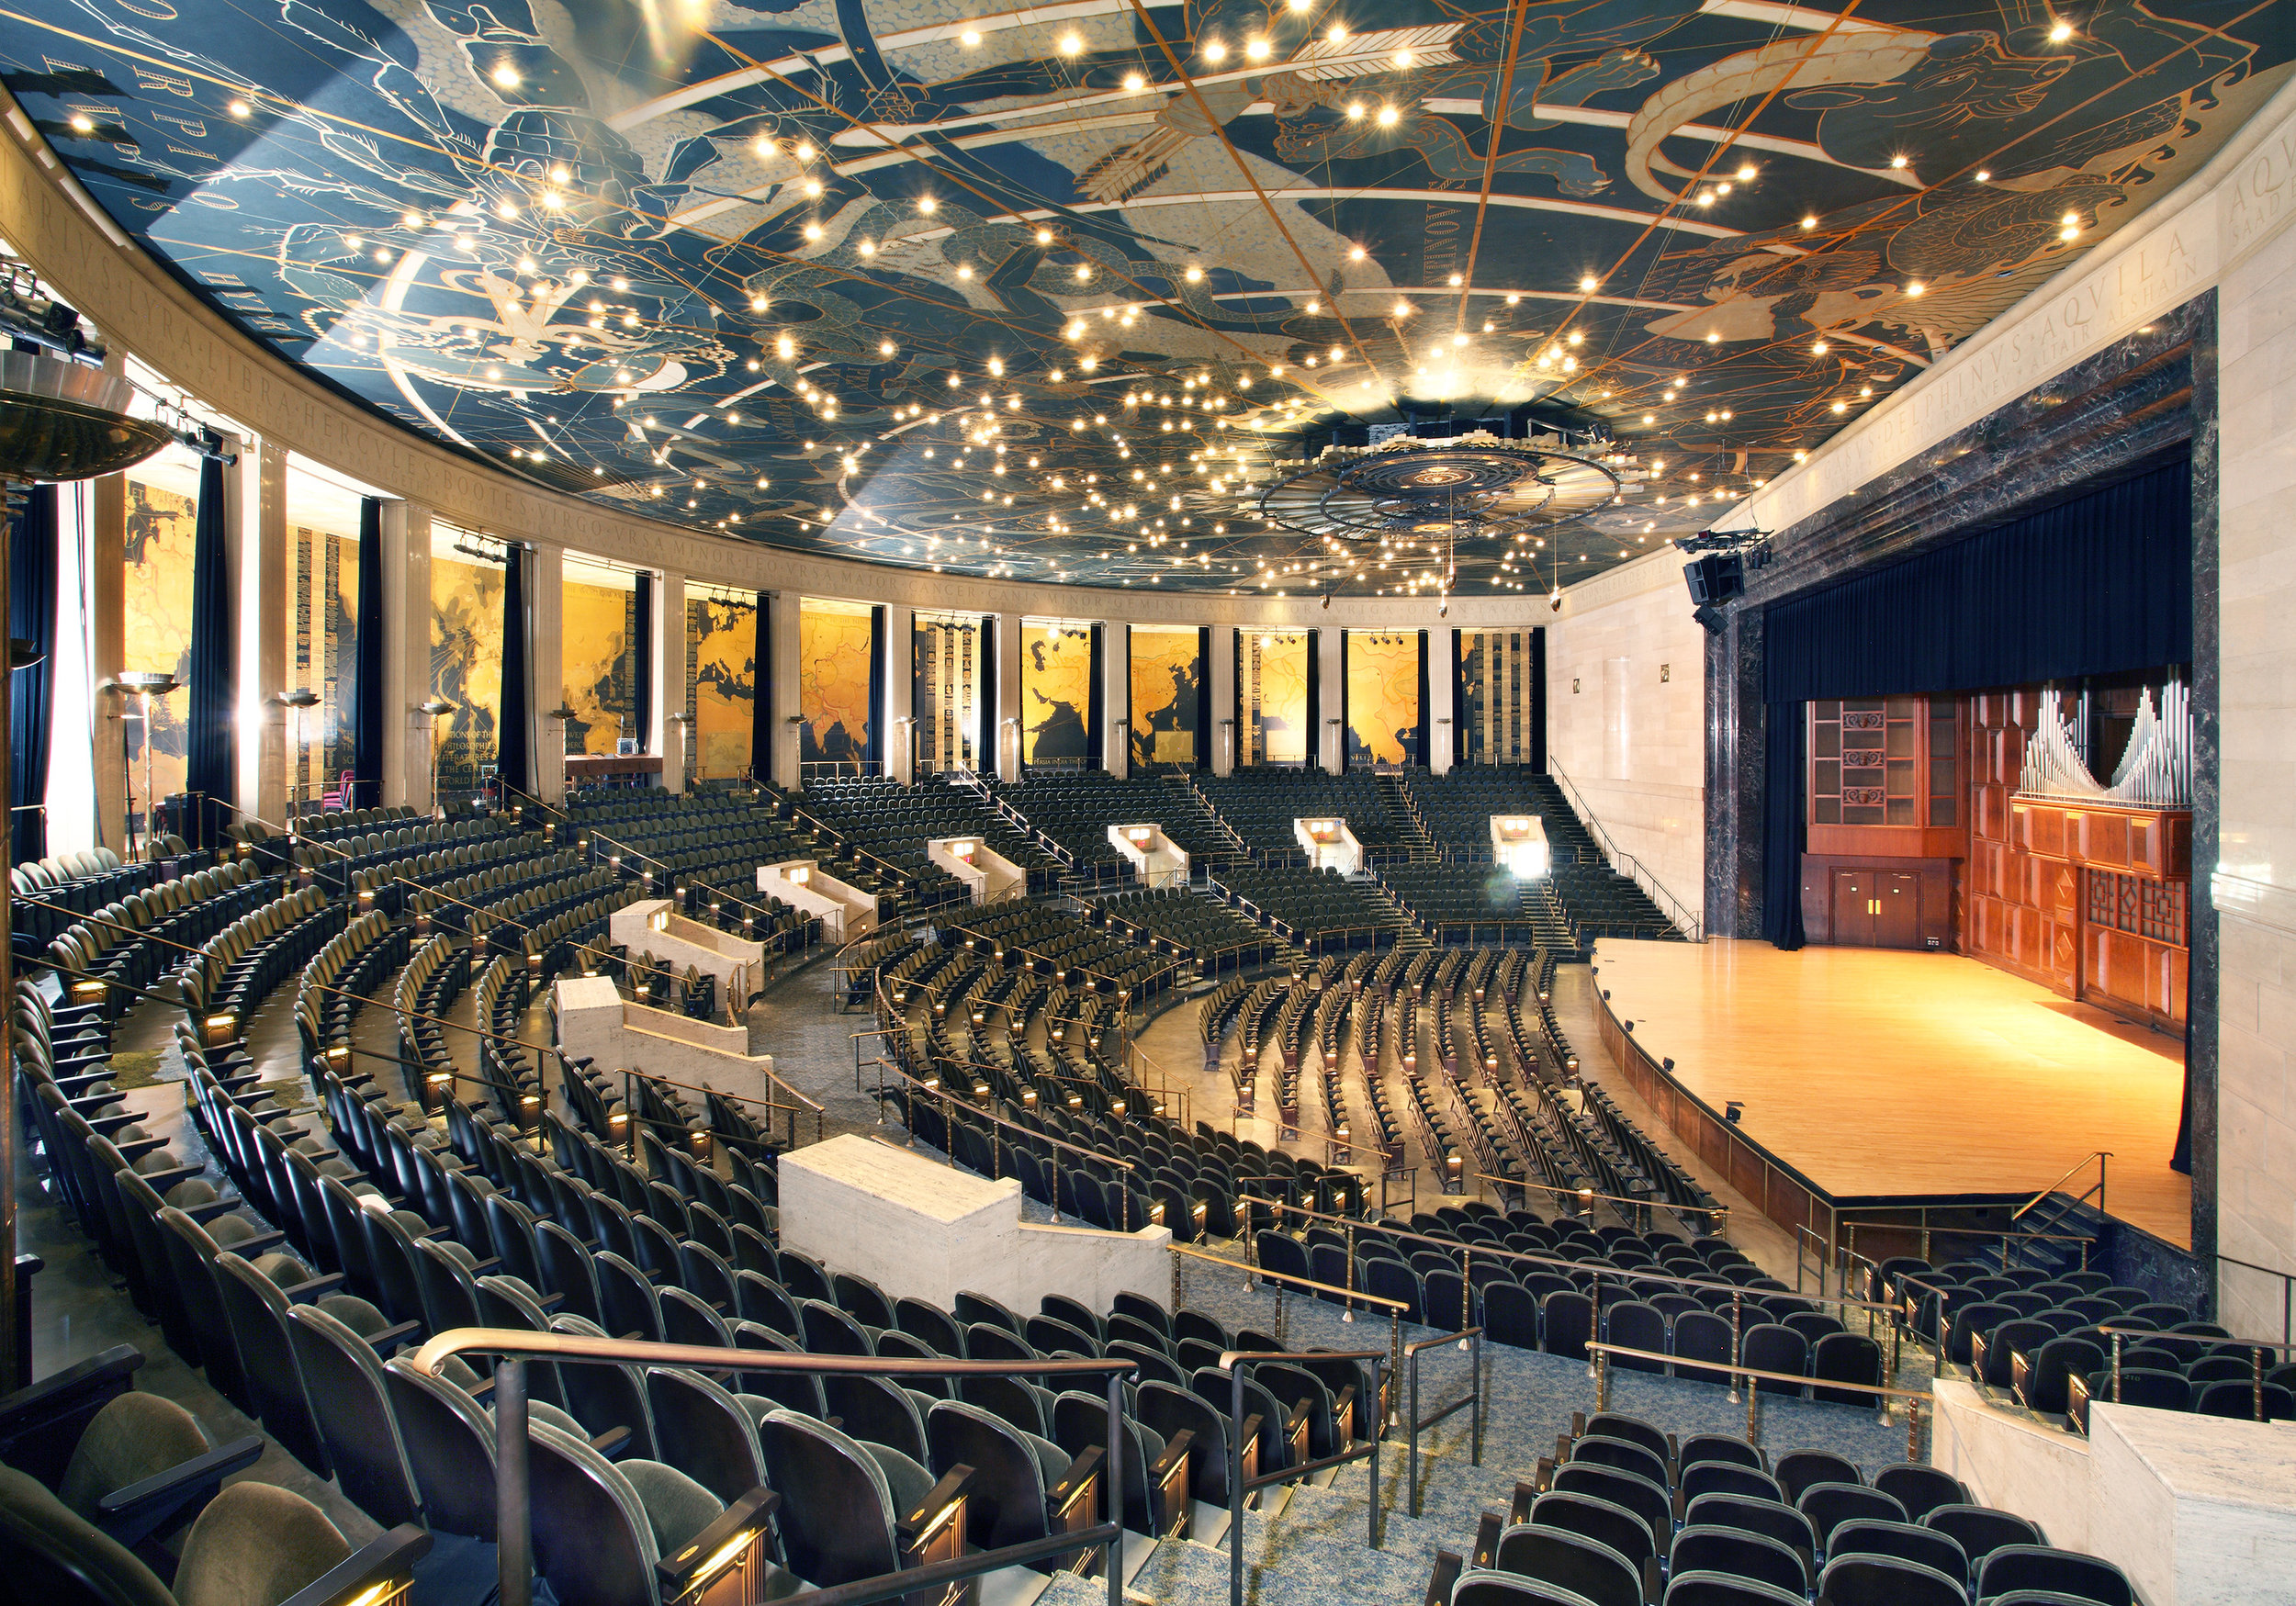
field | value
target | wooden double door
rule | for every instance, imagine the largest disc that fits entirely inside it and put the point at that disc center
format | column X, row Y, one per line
column 1877, row 908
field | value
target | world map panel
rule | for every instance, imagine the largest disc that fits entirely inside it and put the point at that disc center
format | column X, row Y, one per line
column 1167, row 665
column 1055, row 692
column 833, row 647
column 1383, row 696
column 1272, row 681
column 159, row 535
column 466, row 667
column 722, row 686
column 601, row 665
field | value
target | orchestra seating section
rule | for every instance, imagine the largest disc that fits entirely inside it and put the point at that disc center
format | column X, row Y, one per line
column 435, row 1163
column 1627, row 1514
column 1260, row 804
column 880, row 829
column 1072, row 813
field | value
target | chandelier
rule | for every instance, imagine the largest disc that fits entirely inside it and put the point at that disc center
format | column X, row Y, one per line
column 1475, row 485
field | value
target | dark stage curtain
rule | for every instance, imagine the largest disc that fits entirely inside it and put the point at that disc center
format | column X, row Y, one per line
column 1313, row 756
column 32, row 617
column 1538, row 698
column 987, row 748
column 1785, row 827
column 513, row 724
column 1426, row 710
column 2096, row 586
column 2100, row 584
column 211, row 748
column 877, row 748
column 761, row 702
column 1207, row 733
column 368, row 735
column 1096, row 703
column 1458, row 701
column 642, row 678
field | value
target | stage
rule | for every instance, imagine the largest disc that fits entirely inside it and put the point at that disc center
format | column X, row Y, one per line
column 1871, row 1074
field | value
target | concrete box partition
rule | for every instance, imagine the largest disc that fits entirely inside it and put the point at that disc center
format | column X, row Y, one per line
column 989, row 874
column 1330, row 845
column 1518, row 843
column 846, row 911
column 596, row 1022
column 653, row 926
column 1154, row 858
column 916, row 1228
column 2198, row 1510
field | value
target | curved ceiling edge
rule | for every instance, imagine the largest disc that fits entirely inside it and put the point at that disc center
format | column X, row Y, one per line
column 139, row 306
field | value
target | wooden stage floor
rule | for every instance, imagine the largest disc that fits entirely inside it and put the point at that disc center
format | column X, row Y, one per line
column 1880, row 1072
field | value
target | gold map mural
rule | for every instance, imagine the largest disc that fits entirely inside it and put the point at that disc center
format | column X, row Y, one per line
column 833, row 645
column 1272, row 676
column 1055, row 692
column 1383, row 696
column 159, row 538
column 722, row 686
column 599, row 628
column 1164, row 670
column 466, row 669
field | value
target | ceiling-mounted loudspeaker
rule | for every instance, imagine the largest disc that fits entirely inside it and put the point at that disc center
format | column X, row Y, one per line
column 1711, row 619
column 1715, row 578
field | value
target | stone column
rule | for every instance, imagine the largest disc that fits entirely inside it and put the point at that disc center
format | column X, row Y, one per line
column 901, row 693
column 256, row 512
column 670, row 737
column 549, row 670
column 1007, row 733
column 108, row 654
column 406, row 625
column 1116, row 698
column 1443, row 738
column 1331, row 700
column 786, row 745
column 1224, row 734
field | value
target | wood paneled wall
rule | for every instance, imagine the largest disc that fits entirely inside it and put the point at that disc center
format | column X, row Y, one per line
column 2090, row 902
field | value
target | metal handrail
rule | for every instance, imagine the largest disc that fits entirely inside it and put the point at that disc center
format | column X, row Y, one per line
column 1598, row 1356
column 2288, row 1291
column 949, row 1104
column 1718, row 1215
column 1235, row 1362
column 2256, row 1347
column 1691, row 926
column 1471, row 1340
column 513, row 1499
column 2100, row 1156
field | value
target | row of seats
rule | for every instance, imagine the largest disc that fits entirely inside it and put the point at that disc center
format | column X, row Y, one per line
column 128, row 943
column 1627, row 1515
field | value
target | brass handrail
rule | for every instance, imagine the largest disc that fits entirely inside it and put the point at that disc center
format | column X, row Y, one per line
column 514, row 1346
column 2099, row 1156
column 1599, row 1355
column 1718, row 1214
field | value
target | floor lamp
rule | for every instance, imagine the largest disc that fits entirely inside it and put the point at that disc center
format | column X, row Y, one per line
column 298, row 698
column 435, row 708
column 144, row 685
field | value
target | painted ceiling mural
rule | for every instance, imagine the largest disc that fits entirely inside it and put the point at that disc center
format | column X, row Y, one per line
column 1045, row 293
